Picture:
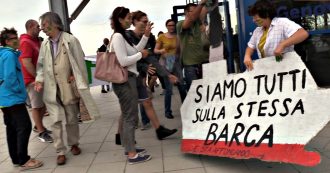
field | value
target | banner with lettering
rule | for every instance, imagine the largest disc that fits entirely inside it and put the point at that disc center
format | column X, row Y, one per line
column 269, row 113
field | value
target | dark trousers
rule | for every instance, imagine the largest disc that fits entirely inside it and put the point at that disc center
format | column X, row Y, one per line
column 192, row 72
column 182, row 91
column 161, row 80
column 18, row 128
column 168, row 96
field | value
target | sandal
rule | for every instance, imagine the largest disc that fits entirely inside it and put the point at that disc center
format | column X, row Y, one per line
column 31, row 164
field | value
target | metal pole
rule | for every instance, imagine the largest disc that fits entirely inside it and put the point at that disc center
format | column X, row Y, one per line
column 78, row 10
column 229, row 36
column 61, row 8
column 241, row 32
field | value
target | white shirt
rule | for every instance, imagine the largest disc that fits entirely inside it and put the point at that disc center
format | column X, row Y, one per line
column 279, row 30
column 127, row 55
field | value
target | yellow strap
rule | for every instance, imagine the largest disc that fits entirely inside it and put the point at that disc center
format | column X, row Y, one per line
column 262, row 43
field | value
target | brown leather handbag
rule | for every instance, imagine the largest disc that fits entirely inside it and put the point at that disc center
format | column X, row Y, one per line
column 108, row 68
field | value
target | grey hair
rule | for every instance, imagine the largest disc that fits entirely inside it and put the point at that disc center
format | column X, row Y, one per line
column 53, row 18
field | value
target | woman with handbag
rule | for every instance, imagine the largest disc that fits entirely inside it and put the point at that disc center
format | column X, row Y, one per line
column 128, row 54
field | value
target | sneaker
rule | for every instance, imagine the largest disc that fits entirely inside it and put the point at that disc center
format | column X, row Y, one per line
column 139, row 159
column 36, row 130
column 44, row 137
column 104, row 91
column 163, row 132
column 169, row 116
column 138, row 151
column 146, row 126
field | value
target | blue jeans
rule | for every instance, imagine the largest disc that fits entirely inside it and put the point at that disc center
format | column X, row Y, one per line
column 192, row 72
column 168, row 96
column 182, row 91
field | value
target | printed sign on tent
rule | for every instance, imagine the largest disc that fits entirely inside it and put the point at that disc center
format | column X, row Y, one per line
column 269, row 113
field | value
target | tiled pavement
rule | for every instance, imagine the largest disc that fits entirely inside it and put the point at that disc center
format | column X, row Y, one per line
column 101, row 155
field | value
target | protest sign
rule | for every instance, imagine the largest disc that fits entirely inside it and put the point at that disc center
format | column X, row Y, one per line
column 269, row 113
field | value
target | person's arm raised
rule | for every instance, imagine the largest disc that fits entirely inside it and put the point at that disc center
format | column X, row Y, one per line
column 196, row 14
column 148, row 29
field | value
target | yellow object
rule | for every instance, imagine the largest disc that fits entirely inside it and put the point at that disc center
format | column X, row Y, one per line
column 168, row 43
column 262, row 43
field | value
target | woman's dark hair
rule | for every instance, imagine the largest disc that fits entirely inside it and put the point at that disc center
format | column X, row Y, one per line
column 5, row 35
column 168, row 21
column 106, row 41
column 171, row 20
column 159, row 33
column 263, row 8
column 137, row 15
column 120, row 12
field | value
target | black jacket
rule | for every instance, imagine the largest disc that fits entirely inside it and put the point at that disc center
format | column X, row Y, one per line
column 103, row 48
column 142, row 64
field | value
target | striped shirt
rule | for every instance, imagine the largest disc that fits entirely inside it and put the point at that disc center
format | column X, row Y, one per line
column 279, row 30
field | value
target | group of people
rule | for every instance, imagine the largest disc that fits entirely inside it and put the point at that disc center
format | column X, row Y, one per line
column 51, row 73
column 57, row 67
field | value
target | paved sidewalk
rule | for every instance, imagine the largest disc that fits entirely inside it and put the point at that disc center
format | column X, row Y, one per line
column 101, row 155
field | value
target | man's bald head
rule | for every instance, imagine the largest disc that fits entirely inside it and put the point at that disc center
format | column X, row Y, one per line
column 32, row 27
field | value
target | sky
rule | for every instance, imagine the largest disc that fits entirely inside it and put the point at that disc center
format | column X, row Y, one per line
column 92, row 25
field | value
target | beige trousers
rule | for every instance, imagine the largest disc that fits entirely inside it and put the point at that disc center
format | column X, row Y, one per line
column 72, row 128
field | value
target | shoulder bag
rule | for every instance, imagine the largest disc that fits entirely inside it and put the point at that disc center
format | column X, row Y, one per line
column 109, row 69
